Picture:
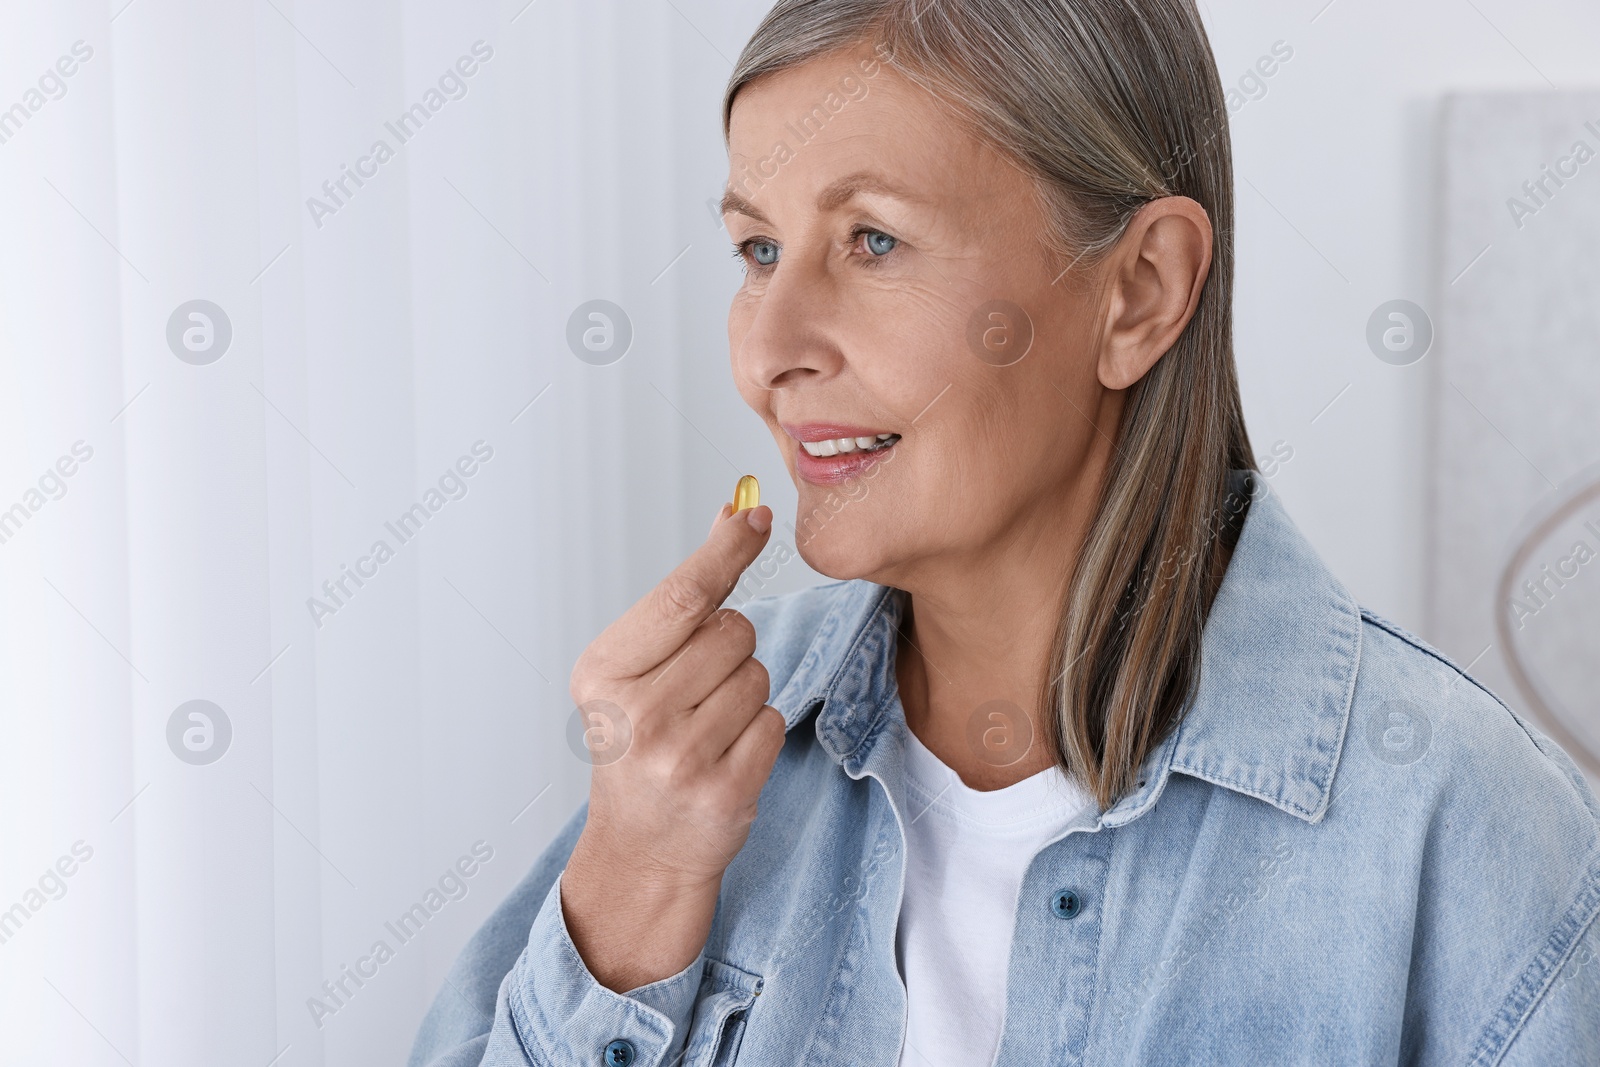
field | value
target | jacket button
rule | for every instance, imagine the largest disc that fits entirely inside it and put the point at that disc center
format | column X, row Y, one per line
column 618, row 1054
column 1065, row 903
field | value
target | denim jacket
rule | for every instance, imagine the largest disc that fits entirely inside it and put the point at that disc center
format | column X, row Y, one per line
column 1347, row 852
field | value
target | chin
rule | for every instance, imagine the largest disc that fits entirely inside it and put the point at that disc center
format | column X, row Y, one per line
column 841, row 545
column 835, row 561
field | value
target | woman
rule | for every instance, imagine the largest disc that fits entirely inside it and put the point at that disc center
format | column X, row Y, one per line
column 1085, row 758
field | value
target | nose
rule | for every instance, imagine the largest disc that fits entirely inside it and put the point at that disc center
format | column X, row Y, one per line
column 787, row 334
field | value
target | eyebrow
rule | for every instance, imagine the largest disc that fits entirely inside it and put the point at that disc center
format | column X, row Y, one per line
column 834, row 196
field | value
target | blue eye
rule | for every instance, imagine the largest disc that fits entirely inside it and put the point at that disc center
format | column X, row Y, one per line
column 880, row 244
column 765, row 253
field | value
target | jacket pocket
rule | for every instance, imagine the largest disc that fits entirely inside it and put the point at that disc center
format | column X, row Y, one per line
column 720, row 1011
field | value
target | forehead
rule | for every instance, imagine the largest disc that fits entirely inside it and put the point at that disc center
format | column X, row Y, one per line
column 796, row 131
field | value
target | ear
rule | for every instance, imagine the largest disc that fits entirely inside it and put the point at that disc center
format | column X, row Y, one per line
column 1153, row 280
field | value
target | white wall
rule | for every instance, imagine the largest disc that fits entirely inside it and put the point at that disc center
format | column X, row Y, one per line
column 1341, row 155
column 369, row 354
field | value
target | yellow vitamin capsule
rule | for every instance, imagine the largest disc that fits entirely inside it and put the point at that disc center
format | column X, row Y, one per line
column 747, row 494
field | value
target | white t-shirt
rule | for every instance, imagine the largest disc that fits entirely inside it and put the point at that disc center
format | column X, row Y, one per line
column 966, row 853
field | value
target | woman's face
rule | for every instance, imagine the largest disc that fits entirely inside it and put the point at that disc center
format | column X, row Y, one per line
column 895, row 273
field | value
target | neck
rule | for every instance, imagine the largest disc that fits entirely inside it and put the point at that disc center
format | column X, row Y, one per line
column 977, row 637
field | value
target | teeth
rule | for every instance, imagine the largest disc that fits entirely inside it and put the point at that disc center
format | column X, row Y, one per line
column 845, row 445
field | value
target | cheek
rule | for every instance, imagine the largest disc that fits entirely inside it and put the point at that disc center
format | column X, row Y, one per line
column 741, row 310
column 977, row 441
column 908, row 349
column 999, row 435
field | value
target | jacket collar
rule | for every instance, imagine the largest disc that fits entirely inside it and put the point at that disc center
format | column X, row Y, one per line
column 1277, row 674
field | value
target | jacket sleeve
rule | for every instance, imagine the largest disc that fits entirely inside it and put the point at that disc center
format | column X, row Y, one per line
column 520, row 994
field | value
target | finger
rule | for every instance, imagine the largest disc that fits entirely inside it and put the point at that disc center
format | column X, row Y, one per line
column 725, row 713
column 712, row 652
column 753, row 754
column 656, row 626
column 727, row 509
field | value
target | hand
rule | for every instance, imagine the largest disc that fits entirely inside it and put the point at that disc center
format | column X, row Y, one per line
column 688, row 744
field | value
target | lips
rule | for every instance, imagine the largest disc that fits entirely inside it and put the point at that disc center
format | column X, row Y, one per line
column 831, row 453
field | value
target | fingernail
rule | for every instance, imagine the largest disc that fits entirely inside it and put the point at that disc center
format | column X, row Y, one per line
column 760, row 519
